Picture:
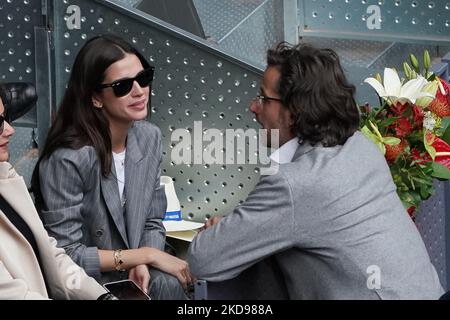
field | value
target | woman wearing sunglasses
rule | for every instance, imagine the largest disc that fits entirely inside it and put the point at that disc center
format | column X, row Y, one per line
column 31, row 266
column 97, row 182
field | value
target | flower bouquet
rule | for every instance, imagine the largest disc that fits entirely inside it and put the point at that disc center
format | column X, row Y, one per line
column 411, row 127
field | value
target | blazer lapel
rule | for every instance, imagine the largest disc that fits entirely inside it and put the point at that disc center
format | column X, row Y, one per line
column 15, row 193
column 110, row 191
column 134, row 190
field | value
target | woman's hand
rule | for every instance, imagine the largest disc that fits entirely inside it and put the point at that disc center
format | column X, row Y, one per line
column 172, row 265
column 141, row 276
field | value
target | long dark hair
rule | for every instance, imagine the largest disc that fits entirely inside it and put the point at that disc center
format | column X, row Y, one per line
column 78, row 123
column 314, row 88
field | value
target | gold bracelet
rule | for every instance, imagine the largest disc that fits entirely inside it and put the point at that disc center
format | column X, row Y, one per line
column 118, row 260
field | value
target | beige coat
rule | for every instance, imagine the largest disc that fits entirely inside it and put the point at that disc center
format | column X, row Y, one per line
column 20, row 274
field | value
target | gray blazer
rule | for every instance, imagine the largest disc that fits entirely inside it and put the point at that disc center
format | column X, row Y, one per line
column 333, row 222
column 83, row 211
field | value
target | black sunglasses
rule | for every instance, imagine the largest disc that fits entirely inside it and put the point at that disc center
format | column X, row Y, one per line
column 123, row 87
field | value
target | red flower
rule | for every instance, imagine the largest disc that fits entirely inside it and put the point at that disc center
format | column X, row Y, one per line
column 440, row 106
column 402, row 127
column 399, row 108
column 411, row 211
column 420, row 159
column 418, row 116
column 440, row 146
column 392, row 152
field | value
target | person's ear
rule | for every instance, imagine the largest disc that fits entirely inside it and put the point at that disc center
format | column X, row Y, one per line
column 97, row 102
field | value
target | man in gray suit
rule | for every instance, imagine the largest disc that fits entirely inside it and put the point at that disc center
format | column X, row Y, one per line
column 330, row 216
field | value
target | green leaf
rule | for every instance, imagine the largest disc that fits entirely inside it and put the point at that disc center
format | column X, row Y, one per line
column 445, row 129
column 445, row 122
column 423, row 181
column 387, row 122
column 391, row 141
column 430, row 149
column 366, row 131
column 440, row 171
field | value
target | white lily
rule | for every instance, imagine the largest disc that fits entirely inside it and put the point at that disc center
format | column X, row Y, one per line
column 393, row 91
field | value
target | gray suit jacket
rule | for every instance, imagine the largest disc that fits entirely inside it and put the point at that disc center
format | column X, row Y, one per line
column 333, row 222
column 83, row 210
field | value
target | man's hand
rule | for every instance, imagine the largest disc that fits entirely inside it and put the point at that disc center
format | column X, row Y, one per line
column 141, row 276
column 211, row 221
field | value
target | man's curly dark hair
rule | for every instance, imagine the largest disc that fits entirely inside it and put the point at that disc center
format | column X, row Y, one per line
column 314, row 88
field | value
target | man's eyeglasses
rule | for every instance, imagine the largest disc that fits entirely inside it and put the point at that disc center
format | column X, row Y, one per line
column 123, row 87
column 260, row 99
column 3, row 118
